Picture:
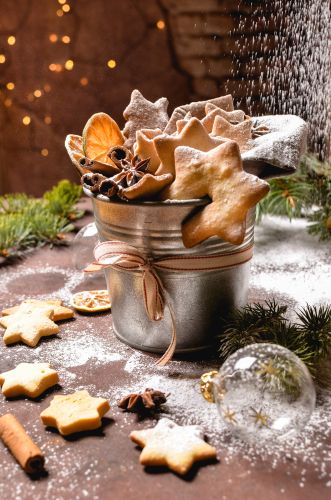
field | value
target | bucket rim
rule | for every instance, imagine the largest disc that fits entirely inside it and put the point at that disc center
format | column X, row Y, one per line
column 194, row 202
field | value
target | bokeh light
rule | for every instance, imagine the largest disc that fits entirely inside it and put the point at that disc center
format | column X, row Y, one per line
column 111, row 63
column 26, row 120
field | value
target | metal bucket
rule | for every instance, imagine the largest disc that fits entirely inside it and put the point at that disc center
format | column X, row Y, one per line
column 199, row 299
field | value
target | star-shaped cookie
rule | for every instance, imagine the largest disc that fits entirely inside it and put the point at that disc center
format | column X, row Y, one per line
column 212, row 111
column 29, row 324
column 60, row 312
column 241, row 132
column 75, row 412
column 172, row 445
column 145, row 148
column 142, row 114
column 28, row 379
column 193, row 134
column 197, row 109
column 219, row 174
column 236, row 116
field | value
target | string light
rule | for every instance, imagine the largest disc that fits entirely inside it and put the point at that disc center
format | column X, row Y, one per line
column 8, row 102
column 160, row 24
column 111, row 63
column 83, row 81
column 47, row 120
column 69, row 64
column 61, row 2
column 59, row 12
column 10, row 86
column 47, row 87
column 44, row 152
column 11, row 40
column 55, row 67
column 2, row 58
column 65, row 39
column 37, row 93
column 66, row 7
column 26, row 120
column 53, row 37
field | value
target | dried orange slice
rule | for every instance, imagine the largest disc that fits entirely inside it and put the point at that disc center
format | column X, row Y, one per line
column 91, row 301
column 101, row 133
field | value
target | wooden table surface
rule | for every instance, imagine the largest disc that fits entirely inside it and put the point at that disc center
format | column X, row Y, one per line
column 288, row 264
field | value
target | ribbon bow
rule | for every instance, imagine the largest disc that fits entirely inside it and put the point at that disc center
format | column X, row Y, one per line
column 122, row 256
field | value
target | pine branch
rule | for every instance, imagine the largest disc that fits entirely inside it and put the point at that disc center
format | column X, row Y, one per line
column 27, row 222
column 309, row 338
column 307, row 193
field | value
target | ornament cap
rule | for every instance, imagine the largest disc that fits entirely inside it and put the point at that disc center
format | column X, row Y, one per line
column 206, row 385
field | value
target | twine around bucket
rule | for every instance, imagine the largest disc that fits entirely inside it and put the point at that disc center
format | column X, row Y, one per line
column 122, row 256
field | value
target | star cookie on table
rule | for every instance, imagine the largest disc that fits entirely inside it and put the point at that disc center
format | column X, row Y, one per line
column 145, row 148
column 60, row 312
column 142, row 114
column 29, row 324
column 75, row 412
column 220, row 175
column 193, row 134
column 197, row 109
column 172, row 445
column 241, row 132
column 28, row 379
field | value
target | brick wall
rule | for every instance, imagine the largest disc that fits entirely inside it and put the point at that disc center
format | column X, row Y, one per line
column 213, row 42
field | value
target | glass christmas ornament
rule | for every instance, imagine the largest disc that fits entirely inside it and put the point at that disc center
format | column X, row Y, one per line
column 264, row 391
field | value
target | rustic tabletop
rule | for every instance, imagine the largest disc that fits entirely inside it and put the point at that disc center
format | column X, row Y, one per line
column 288, row 264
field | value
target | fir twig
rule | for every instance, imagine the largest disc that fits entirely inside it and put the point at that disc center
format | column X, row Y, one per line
column 309, row 337
column 27, row 222
column 307, row 193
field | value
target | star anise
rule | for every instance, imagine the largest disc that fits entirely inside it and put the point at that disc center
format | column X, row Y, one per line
column 132, row 171
column 142, row 401
column 259, row 130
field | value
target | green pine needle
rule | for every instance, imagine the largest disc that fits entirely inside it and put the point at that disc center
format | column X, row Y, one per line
column 27, row 222
column 307, row 193
column 309, row 337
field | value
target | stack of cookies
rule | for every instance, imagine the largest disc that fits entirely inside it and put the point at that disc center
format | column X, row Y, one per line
column 196, row 152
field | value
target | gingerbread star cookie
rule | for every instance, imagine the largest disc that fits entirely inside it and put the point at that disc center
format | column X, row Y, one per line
column 75, row 412
column 142, row 114
column 28, row 379
column 193, row 134
column 197, row 109
column 241, row 132
column 60, row 312
column 29, row 324
column 234, row 117
column 219, row 174
column 145, row 148
column 172, row 445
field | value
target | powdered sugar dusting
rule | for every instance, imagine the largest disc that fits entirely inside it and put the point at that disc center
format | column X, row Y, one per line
column 288, row 264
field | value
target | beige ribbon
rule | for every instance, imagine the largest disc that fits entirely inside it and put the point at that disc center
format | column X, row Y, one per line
column 119, row 255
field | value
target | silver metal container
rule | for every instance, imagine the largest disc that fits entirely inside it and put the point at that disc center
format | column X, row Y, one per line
column 199, row 299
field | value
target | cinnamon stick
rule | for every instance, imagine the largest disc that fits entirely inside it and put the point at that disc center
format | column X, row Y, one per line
column 26, row 452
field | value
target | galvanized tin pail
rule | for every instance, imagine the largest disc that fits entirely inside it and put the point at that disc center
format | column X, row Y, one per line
column 199, row 298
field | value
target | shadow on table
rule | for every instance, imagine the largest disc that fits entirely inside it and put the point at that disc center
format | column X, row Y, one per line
column 189, row 476
column 106, row 422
